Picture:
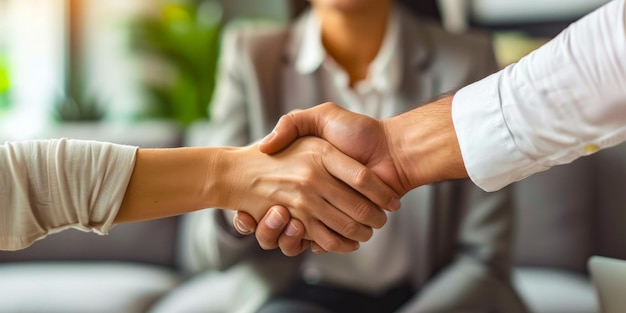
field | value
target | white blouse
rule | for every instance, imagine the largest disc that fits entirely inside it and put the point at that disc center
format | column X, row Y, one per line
column 565, row 100
column 47, row 186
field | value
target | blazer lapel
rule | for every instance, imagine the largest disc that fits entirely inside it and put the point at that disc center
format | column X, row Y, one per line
column 299, row 91
column 419, row 83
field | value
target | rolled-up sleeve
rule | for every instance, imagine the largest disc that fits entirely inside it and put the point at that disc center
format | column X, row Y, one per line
column 50, row 185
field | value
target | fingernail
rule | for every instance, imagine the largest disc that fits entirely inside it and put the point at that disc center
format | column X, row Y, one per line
column 291, row 230
column 241, row 227
column 357, row 246
column 395, row 204
column 275, row 220
column 268, row 137
column 315, row 249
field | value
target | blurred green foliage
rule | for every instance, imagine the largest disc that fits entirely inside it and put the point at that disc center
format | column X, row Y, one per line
column 185, row 36
column 5, row 83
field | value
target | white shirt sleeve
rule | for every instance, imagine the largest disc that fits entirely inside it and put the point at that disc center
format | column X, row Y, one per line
column 565, row 100
column 49, row 186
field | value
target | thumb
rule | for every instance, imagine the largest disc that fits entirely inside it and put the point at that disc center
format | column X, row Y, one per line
column 296, row 124
column 244, row 223
column 284, row 133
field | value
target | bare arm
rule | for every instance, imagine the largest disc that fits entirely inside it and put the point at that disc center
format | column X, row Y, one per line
column 311, row 179
column 86, row 187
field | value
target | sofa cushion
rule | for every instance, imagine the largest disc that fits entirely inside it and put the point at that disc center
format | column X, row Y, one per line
column 548, row 290
column 66, row 287
column 152, row 242
column 241, row 288
column 610, row 206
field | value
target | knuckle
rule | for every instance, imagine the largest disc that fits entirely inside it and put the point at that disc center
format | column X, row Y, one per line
column 369, row 214
column 362, row 176
column 363, row 211
column 299, row 201
column 331, row 244
column 350, row 229
column 308, row 177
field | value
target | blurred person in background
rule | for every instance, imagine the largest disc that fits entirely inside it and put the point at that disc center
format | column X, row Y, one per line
column 447, row 249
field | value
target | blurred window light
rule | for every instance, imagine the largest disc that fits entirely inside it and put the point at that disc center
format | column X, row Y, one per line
column 111, row 71
column 529, row 11
column 32, row 41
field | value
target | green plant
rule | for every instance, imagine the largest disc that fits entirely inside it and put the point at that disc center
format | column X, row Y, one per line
column 185, row 37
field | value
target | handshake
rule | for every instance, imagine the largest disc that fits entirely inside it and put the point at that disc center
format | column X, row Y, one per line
column 331, row 174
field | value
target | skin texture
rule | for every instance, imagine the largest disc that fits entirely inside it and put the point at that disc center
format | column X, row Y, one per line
column 402, row 155
column 313, row 181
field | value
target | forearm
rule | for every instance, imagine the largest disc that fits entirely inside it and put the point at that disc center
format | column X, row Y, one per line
column 168, row 182
column 424, row 144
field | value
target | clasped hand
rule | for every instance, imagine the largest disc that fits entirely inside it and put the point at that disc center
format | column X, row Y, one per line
column 350, row 201
column 334, row 197
column 402, row 152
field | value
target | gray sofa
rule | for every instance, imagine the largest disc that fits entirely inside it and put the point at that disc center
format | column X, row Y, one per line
column 73, row 271
column 565, row 215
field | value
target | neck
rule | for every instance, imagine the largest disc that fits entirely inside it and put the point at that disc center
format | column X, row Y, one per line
column 353, row 39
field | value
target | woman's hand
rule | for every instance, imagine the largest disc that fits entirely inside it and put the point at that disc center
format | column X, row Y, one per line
column 337, row 199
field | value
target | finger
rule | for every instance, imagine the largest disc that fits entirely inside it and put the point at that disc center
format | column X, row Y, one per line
column 293, row 125
column 272, row 226
column 358, row 210
column 244, row 223
column 363, row 180
column 329, row 240
column 335, row 219
column 291, row 241
column 317, row 249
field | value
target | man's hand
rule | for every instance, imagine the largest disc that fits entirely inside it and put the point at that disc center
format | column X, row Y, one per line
column 361, row 137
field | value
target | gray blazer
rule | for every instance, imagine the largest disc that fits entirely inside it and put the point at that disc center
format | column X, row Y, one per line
column 460, row 239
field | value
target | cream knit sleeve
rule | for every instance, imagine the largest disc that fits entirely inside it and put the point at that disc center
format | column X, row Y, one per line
column 47, row 186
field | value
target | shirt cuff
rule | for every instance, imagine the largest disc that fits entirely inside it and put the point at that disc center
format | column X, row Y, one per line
column 491, row 157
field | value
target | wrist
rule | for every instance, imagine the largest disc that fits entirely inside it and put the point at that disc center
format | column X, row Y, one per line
column 424, row 144
column 238, row 172
column 221, row 162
